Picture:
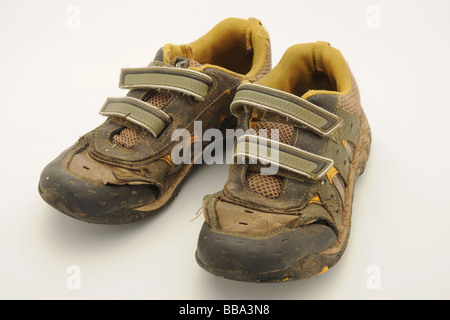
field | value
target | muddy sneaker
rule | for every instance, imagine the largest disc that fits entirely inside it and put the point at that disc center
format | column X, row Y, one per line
column 123, row 171
column 285, row 210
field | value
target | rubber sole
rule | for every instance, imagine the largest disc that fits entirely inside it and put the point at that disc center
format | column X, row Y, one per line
column 274, row 259
column 232, row 265
column 123, row 216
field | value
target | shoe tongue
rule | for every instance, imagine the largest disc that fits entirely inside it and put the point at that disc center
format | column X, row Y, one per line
column 158, row 98
column 265, row 185
column 270, row 186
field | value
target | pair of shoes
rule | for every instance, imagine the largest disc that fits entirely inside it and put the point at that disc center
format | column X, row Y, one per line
column 285, row 210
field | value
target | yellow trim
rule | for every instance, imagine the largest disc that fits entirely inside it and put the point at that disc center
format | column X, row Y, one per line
column 325, row 269
column 331, row 173
column 316, row 199
column 236, row 46
column 311, row 93
column 322, row 67
column 344, row 142
column 167, row 159
column 195, row 138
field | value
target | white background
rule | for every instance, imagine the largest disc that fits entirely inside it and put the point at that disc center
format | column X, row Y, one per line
column 54, row 77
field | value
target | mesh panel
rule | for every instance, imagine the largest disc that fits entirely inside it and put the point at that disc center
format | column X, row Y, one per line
column 159, row 98
column 270, row 186
column 285, row 131
column 127, row 137
column 351, row 102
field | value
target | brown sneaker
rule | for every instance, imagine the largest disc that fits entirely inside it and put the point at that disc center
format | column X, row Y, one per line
column 294, row 223
column 123, row 171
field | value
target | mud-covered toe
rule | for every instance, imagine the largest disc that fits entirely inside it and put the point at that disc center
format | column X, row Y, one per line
column 259, row 247
column 285, row 210
column 90, row 200
column 131, row 166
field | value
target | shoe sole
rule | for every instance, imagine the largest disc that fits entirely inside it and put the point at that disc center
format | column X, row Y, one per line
column 52, row 197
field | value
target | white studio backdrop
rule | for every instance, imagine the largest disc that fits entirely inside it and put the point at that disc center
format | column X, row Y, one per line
column 60, row 60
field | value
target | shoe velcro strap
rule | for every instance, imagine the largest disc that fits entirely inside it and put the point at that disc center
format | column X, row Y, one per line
column 137, row 111
column 187, row 81
column 285, row 156
column 295, row 108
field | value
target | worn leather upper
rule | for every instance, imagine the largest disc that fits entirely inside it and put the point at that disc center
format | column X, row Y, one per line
column 301, row 201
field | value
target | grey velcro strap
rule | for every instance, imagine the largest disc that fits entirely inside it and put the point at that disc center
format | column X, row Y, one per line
column 137, row 111
column 289, row 105
column 285, row 156
column 187, row 81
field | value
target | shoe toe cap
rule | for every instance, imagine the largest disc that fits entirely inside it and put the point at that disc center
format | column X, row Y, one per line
column 71, row 194
column 259, row 259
